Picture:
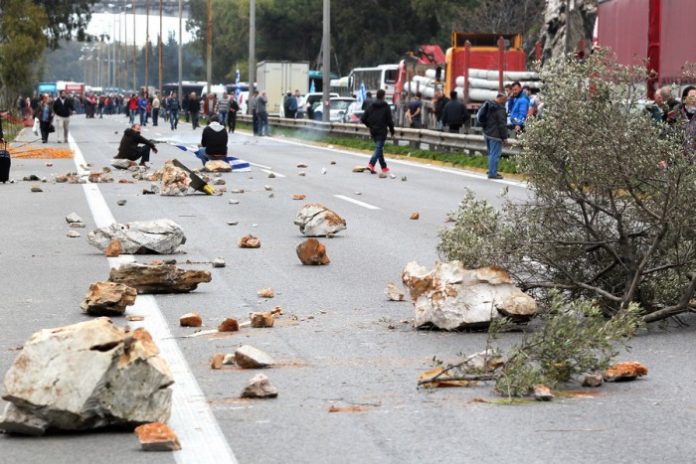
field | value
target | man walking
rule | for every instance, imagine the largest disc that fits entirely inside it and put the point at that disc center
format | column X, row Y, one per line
column 155, row 109
column 232, row 115
column 62, row 108
column 262, row 113
column 173, row 108
column 493, row 119
column 378, row 118
column 194, row 107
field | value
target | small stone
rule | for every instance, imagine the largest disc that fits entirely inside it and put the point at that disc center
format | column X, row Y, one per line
column 404, row 178
column 265, row 293
column 36, row 189
column 113, row 249
column 77, row 225
column 157, row 436
column 237, row 191
column 248, row 357
column 271, row 195
column 592, row 380
column 414, row 216
column 312, row 252
column 61, row 179
column 392, row 176
column 219, row 182
column 234, row 202
column 30, row 178
column 625, row 371
column 217, row 360
column 268, row 188
column 249, row 241
column 229, row 359
column 135, row 318
column 108, row 299
column 382, row 175
column 542, row 393
column 262, row 320
column 121, row 202
column 232, row 223
column 218, row 166
column 358, row 193
column 191, row 320
column 148, row 191
column 73, row 218
column 218, row 262
column 271, row 175
column 73, row 234
column 229, row 325
column 393, row 293
column 302, row 166
column 323, row 170
column 49, row 165
column 299, row 196
column 302, row 173
column 259, row 387
column 221, row 190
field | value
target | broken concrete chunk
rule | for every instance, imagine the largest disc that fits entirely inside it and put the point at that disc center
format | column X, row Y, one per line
column 237, row 191
column 299, row 196
column 265, row 293
column 625, row 371
column 414, row 216
column 73, row 234
column 312, row 252
column 259, row 387
column 592, row 380
column 108, row 299
column 271, row 175
column 249, row 241
column 218, row 166
column 302, row 174
column 267, row 188
column 229, row 325
column 218, row 262
column 228, row 360
column 393, row 293
column 450, row 297
column 382, row 175
column 113, row 249
column 122, row 163
column 157, row 436
column 191, row 320
column 77, row 225
column 86, row 376
column 217, row 360
column 316, row 220
column 248, row 357
column 219, row 182
column 175, row 182
column 73, row 218
column 262, row 320
column 542, row 393
column 162, row 236
column 158, row 278
column 233, row 202
column 36, row 189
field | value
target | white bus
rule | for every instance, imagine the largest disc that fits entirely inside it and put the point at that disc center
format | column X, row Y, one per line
column 383, row 76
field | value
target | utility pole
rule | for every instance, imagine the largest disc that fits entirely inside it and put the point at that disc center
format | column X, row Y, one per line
column 326, row 61
column 147, row 45
column 125, row 54
column 252, row 46
column 135, row 51
column 179, row 95
column 159, row 52
column 209, row 51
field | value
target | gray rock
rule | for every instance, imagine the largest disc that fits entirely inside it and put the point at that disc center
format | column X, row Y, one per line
column 162, row 236
column 108, row 299
column 121, row 202
column 122, row 163
column 72, row 234
column 592, row 380
column 77, row 225
column 73, row 218
column 317, row 220
column 248, row 357
column 259, row 387
column 218, row 262
column 233, row 202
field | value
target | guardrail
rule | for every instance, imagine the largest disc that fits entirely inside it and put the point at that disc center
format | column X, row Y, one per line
column 433, row 140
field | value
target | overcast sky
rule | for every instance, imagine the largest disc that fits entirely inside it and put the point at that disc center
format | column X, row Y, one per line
column 106, row 23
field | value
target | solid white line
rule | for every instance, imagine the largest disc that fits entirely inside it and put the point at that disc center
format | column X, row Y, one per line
column 202, row 441
column 357, row 202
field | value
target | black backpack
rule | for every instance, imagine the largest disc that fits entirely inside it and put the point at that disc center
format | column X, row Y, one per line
column 482, row 114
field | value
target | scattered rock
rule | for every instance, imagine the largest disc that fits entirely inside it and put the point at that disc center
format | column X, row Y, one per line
column 259, row 387
column 73, row 234
column 218, row 166
column 99, row 178
column 248, row 357
column 392, row 175
column 157, row 436
column 219, row 182
column 175, row 181
column 302, row 166
column 86, row 376
column 229, row 325
column 359, row 169
column 135, row 318
column 483, row 361
column 262, row 320
column 267, row 188
column 191, row 320
column 302, row 173
column 316, row 220
column 404, row 178
column 414, row 216
column 217, row 361
column 61, row 179
column 121, row 202
column 161, row 236
column 323, row 170
column 233, row 202
column 31, row 178
column 299, row 196
column 158, row 278
column 221, row 190
column 237, row 191
column 333, row 163
column 249, row 241
column 73, row 218
column 592, row 380
column 36, row 189
column 358, row 193
column 49, row 165
column 382, row 175
column 450, row 297
column 232, row 223
column 312, row 252
column 271, row 195
column 271, row 175
column 393, row 293
column 542, row 393
column 265, row 293
column 625, row 371
column 77, row 225
column 113, row 249
column 228, row 360
column 218, row 262
column 108, row 299
column 122, row 163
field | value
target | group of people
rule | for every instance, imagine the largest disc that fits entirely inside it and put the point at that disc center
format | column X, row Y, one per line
column 56, row 110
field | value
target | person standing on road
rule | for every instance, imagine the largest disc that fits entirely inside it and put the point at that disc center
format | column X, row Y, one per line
column 440, row 102
column 519, row 108
column 493, row 119
column 213, row 142
column 232, row 115
column 455, row 114
column 367, row 102
column 44, row 112
column 134, row 146
column 142, row 108
column 132, row 108
column 194, row 107
column 62, row 108
column 173, row 108
column 155, row 109
column 262, row 113
column 252, row 109
column 414, row 113
column 378, row 118
column 290, row 106
column 223, row 109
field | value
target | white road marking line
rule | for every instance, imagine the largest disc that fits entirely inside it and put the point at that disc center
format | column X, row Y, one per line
column 192, row 419
column 357, row 202
column 268, row 171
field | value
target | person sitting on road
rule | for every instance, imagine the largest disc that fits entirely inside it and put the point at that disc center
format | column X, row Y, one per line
column 213, row 142
column 134, row 146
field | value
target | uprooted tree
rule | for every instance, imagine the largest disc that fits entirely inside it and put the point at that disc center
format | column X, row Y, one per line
column 611, row 213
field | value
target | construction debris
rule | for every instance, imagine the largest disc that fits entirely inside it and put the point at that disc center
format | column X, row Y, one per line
column 592, row 380
column 36, row 189
column 86, row 376
column 233, row 202
column 259, row 387
column 316, row 220
column 249, row 241
column 121, row 202
column 248, row 357
column 157, row 436
column 312, row 252
column 108, row 299
column 175, row 181
column 218, row 262
column 218, row 166
column 217, row 360
column 191, row 320
column 265, row 293
column 120, row 163
column 72, row 234
column 299, row 196
column 262, row 320
column 625, row 371
column 229, row 325
column 158, row 278
column 162, row 236
column 73, row 218
column 267, row 188
column 113, row 249
column 393, row 293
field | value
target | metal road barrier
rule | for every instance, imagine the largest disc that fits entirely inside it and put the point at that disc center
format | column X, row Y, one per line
column 421, row 138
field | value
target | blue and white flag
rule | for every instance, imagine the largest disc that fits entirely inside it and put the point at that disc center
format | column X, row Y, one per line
column 312, row 88
column 237, row 91
column 237, row 164
column 362, row 95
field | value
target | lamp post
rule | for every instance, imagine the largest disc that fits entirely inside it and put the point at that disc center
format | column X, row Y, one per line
column 159, row 51
column 209, row 49
column 326, row 61
column 180, row 96
column 252, row 46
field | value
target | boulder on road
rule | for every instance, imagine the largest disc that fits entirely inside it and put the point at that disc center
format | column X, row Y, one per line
column 174, row 181
column 259, row 387
column 162, row 236
column 450, row 297
column 86, row 376
column 312, row 252
column 108, row 299
column 248, row 357
column 158, row 278
column 625, row 371
column 317, row 220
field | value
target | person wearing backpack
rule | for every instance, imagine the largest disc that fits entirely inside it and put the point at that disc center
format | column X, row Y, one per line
column 378, row 118
column 493, row 118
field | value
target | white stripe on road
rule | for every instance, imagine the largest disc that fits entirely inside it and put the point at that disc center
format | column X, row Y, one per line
column 202, row 440
column 357, row 202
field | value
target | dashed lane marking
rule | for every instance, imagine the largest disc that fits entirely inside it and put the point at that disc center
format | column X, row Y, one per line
column 357, row 202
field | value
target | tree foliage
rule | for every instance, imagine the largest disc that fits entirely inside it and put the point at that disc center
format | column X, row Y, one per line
column 67, row 19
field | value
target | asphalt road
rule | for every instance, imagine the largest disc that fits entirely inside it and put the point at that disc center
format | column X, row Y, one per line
column 339, row 343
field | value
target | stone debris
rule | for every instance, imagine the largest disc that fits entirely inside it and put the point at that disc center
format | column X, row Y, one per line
column 302, row 174
column 158, row 278
column 217, row 360
column 77, row 225
column 162, row 236
column 228, row 360
column 232, row 223
column 113, row 249
column 120, row 163
column 267, row 188
column 359, row 169
column 237, row 191
column 228, row 325
column 218, row 262
column 316, row 220
column 175, row 181
column 191, row 320
column 592, row 380
column 312, row 252
column 49, row 165
column 73, row 234
column 135, row 318
column 150, row 191
column 542, row 393
column 358, row 193
column 86, row 376
column 323, row 170
column 31, row 178
column 333, row 163
column 248, row 357
column 259, row 387
column 302, row 166
column 271, row 175
column 404, row 178
column 233, row 202
column 73, row 218
column 36, row 189
column 157, row 436
column 218, row 166
column 382, row 175
column 625, row 371
column 393, row 293
column 299, row 196
column 108, row 299
column 121, row 202
column 450, row 297
column 265, row 293
column 99, row 178
column 249, row 241
column 219, row 182
column 414, row 216
column 271, row 195
column 483, row 361
column 262, row 320
column 221, row 190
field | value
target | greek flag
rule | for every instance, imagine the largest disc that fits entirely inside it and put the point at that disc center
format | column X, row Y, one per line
column 237, row 164
column 236, row 85
column 312, row 88
column 362, row 95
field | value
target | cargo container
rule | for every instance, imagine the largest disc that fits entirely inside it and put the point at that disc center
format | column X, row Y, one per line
column 277, row 78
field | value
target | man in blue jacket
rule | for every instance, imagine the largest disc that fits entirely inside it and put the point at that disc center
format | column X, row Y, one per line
column 519, row 107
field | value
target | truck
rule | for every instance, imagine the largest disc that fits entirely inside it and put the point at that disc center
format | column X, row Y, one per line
column 277, row 78
column 657, row 32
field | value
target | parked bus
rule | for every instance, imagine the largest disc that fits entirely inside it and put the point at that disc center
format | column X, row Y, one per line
column 383, row 76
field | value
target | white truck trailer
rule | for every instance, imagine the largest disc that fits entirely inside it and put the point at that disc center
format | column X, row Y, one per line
column 277, row 78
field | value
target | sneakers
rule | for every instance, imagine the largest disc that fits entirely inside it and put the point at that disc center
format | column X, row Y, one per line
column 371, row 168
column 385, row 170
column 497, row 176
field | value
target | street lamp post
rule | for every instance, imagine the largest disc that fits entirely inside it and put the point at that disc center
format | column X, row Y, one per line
column 252, row 46
column 326, row 60
column 209, row 50
column 180, row 96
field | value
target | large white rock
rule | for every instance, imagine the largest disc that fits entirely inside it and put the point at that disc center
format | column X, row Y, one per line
column 316, row 220
column 161, row 236
column 174, row 180
column 451, row 297
column 85, row 376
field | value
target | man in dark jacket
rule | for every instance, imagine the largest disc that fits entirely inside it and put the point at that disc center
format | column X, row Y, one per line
column 62, row 108
column 440, row 102
column 213, row 142
column 378, row 118
column 495, row 132
column 455, row 114
column 194, row 107
column 134, row 146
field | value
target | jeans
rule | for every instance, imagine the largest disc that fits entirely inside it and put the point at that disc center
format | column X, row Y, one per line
column 194, row 120
column 495, row 148
column 174, row 119
column 378, row 155
column 223, row 117
column 255, row 122
column 131, row 116
column 155, row 115
column 143, row 118
column 232, row 121
column 263, row 123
